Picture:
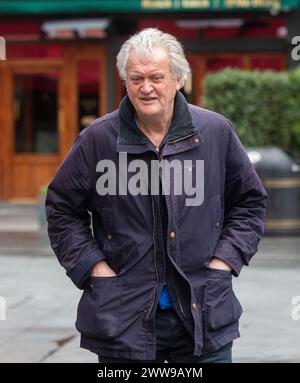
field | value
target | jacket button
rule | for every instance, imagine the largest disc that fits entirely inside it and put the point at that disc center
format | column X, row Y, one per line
column 196, row 140
column 109, row 236
column 172, row 234
column 194, row 306
column 217, row 225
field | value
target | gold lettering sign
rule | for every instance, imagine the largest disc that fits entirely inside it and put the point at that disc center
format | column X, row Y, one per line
column 195, row 4
column 157, row 4
column 209, row 4
column 274, row 4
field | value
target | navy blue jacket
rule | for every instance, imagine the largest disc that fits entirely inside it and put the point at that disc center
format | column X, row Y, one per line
column 116, row 315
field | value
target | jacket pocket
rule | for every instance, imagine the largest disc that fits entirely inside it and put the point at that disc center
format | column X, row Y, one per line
column 98, row 311
column 221, row 305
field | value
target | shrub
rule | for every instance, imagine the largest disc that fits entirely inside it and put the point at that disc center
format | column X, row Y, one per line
column 264, row 106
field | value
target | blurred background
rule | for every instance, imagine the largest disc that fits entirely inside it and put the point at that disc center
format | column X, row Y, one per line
column 58, row 74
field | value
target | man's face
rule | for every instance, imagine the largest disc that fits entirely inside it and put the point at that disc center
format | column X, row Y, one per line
column 151, row 86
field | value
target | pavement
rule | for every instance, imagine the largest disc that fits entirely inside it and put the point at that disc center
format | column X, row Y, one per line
column 41, row 301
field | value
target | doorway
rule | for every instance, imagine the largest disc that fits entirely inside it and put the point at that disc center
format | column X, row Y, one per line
column 45, row 103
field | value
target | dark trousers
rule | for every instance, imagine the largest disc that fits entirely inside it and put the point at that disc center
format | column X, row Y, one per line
column 175, row 345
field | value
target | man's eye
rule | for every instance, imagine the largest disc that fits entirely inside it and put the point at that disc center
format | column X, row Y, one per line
column 135, row 79
column 157, row 78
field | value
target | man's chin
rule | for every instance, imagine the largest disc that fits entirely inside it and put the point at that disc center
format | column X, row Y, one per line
column 148, row 111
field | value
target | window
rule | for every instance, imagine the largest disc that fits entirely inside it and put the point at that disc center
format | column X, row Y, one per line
column 36, row 112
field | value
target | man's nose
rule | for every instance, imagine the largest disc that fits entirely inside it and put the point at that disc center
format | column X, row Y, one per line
column 147, row 86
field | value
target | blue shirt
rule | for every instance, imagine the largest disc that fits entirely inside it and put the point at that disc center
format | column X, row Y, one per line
column 165, row 299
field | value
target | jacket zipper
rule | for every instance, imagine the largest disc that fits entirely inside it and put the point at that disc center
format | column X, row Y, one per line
column 154, row 245
column 161, row 157
column 181, row 138
column 157, row 147
column 154, row 260
column 179, row 302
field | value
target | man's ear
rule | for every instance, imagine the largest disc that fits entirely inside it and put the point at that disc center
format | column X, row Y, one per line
column 178, row 84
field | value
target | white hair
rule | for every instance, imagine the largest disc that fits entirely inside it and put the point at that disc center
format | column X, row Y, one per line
column 145, row 43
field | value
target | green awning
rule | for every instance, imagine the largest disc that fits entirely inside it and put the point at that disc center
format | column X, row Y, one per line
column 88, row 6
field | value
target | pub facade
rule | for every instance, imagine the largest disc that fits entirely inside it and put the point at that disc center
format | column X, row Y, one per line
column 58, row 72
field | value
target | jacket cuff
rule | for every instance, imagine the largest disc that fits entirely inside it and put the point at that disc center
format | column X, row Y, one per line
column 81, row 272
column 228, row 254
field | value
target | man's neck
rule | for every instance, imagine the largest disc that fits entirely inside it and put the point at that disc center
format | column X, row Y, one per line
column 154, row 126
column 154, row 129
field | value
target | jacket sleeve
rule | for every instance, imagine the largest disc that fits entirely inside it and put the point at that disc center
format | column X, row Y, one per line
column 69, row 222
column 245, row 206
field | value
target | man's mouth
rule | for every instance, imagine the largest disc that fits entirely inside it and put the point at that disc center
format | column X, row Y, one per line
column 147, row 99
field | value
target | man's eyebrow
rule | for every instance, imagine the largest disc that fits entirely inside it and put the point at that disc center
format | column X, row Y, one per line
column 133, row 73
column 156, row 72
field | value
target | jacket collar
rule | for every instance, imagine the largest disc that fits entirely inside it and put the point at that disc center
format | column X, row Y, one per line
column 130, row 135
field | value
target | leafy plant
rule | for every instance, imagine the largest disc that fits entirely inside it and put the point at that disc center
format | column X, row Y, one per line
column 264, row 106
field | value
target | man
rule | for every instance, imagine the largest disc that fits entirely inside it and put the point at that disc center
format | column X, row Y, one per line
column 156, row 268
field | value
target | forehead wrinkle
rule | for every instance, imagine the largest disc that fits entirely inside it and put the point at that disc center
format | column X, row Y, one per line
column 143, row 65
column 146, row 70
